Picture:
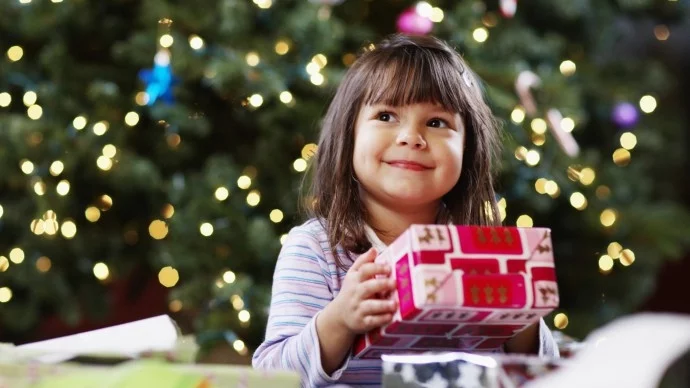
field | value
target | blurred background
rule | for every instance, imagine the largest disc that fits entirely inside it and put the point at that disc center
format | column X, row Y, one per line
column 151, row 152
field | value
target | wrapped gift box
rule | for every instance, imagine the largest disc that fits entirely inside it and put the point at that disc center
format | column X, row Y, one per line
column 464, row 370
column 464, row 288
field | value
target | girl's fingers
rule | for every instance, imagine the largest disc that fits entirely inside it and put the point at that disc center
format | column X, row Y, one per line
column 370, row 287
column 377, row 306
column 366, row 257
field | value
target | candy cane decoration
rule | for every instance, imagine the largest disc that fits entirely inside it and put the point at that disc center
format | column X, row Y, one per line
column 526, row 80
column 523, row 84
column 564, row 139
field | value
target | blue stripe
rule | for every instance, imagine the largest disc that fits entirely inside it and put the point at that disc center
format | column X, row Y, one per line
column 302, row 294
column 299, row 302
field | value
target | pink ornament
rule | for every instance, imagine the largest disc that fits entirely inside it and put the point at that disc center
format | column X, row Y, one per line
column 410, row 22
column 508, row 8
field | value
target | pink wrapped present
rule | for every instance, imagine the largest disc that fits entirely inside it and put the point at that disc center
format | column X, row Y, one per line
column 464, row 288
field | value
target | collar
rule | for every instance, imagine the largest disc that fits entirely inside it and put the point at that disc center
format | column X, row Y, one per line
column 374, row 239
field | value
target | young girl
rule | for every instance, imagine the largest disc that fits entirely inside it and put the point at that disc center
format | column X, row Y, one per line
column 408, row 139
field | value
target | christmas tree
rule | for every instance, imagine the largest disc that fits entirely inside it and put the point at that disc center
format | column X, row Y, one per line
column 174, row 136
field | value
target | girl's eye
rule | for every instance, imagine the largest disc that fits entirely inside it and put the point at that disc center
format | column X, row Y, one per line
column 385, row 116
column 438, row 123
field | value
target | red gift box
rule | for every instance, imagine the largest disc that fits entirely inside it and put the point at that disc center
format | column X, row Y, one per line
column 464, row 288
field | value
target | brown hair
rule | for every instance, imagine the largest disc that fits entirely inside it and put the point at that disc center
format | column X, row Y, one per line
column 402, row 70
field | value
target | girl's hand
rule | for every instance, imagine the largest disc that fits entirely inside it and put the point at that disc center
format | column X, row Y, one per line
column 357, row 305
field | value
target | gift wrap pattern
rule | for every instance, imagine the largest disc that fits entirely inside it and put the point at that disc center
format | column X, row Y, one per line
column 466, row 288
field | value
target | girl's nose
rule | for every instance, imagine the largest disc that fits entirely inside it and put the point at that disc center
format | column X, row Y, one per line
column 411, row 138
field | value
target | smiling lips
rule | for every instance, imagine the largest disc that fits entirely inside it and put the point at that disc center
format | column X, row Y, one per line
column 408, row 165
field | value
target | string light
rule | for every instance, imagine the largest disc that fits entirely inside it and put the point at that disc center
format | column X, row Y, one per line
column 560, row 321
column 229, row 277
column 538, row 126
column 168, row 277
column 195, row 42
column 532, row 157
column 587, row 176
column 647, row 104
column 480, row 34
column 29, row 98
column 320, row 60
column 627, row 257
column 173, row 140
column 552, row 189
column 68, row 229
column 16, row 255
column 299, row 165
column 100, row 128
column 109, row 151
column 524, row 221
column 4, row 264
column 283, row 237
column 37, row 227
column 263, row 4
column 132, row 118
column 168, row 211
column 256, row 100
column 43, row 264
column 237, row 302
column 166, row 40
column 317, row 79
column 244, row 316
column 141, row 98
column 79, row 123
column 282, row 47
column 567, row 68
column 63, row 187
column 308, row 151
column 104, row 163
column 608, row 217
column 614, row 250
column 92, row 214
column 238, row 345
column 5, row 294
column 39, row 188
column 520, row 153
column 348, row 59
column 175, row 305
column 538, row 139
column 252, row 58
column 436, row 15
column 2, row 211
column 605, row 263
column 578, row 201
column 15, row 53
column 567, row 124
column 56, row 168
column 101, row 271
column 540, row 185
column 34, row 112
column 206, row 229
column 517, row 115
column 628, row 140
column 253, row 198
column 244, row 182
column 286, row 97
column 158, row 229
column 106, row 202
column 276, row 215
column 5, row 99
column 222, row 193
column 621, row 157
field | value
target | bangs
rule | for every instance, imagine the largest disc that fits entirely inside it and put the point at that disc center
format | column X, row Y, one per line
column 417, row 75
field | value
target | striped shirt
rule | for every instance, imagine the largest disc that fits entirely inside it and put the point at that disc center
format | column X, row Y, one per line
column 306, row 279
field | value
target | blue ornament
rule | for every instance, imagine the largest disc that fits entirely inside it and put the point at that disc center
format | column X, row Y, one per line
column 159, row 79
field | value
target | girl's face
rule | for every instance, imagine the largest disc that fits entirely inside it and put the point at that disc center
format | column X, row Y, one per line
column 408, row 155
